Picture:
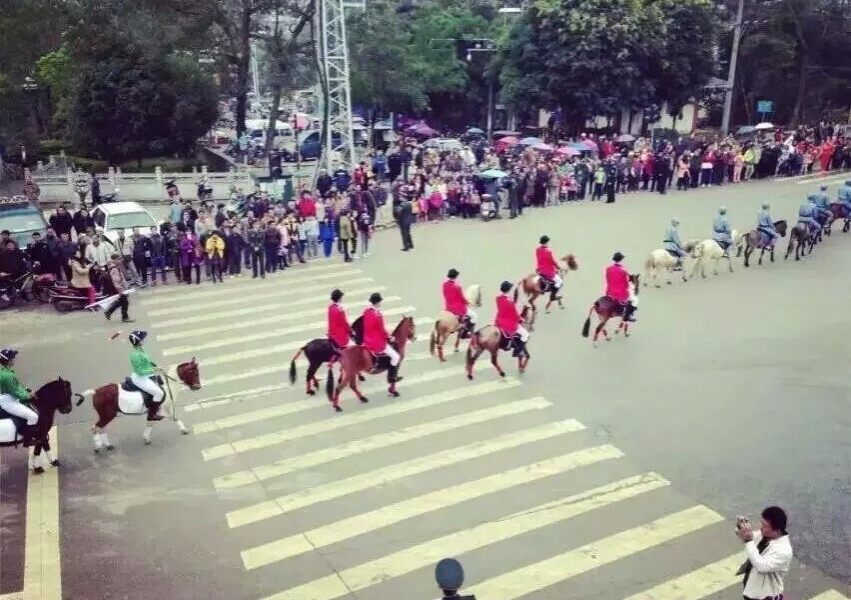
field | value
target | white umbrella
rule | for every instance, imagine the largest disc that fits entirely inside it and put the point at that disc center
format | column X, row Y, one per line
column 764, row 126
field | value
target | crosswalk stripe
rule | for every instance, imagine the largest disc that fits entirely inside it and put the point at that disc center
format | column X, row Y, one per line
column 181, row 293
column 382, row 440
column 271, row 412
column 697, row 584
column 215, row 302
column 362, row 481
column 545, row 573
column 829, row 595
column 347, row 581
column 365, row 416
column 345, row 529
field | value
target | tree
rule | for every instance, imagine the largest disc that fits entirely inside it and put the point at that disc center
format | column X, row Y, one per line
column 55, row 72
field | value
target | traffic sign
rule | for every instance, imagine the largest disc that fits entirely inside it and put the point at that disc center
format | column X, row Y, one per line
column 765, row 106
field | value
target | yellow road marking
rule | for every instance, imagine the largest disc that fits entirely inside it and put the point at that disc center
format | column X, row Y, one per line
column 697, row 584
column 385, row 516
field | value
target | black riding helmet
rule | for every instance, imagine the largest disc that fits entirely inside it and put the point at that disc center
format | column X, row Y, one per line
column 7, row 355
column 545, row 239
column 336, row 295
column 453, row 273
column 505, row 287
column 375, row 298
column 137, row 337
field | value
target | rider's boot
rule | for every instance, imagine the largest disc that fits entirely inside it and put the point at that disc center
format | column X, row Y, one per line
column 628, row 314
column 393, row 374
column 466, row 329
column 519, row 346
column 153, row 412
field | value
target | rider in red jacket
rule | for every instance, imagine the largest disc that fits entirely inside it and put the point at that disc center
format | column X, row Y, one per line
column 339, row 330
column 456, row 303
column 376, row 338
column 508, row 319
column 547, row 267
column 617, row 286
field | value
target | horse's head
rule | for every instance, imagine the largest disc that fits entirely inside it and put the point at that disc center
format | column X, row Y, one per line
column 474, row 295
column 55, row 395
column 690, row 245
column 634, row 281
column 570, row 261
column 781, row 226
column 189, row 374
column 406, row 330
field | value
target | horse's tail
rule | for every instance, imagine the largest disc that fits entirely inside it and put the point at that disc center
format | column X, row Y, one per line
column 329, row 384
column 586, row 329
column 293, row 372
column 432, row 341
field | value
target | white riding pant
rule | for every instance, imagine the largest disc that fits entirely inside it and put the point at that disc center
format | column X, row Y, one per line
column 522, row 334
column 12, row 406
column 390, row 351
column 144, row 382
column 472, row 316
column 557, row 281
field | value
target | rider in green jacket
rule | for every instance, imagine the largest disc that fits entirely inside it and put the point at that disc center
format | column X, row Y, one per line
column 13, row 395
column 143, row 371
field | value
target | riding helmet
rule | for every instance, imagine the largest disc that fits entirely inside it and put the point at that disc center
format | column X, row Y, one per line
column 811, row 197
column 453, row 273
column 505, row 287
column 722, row 210
column 449, row 575
column 675, row 221
column 7, row 355
column 823, row 187
column 375, row 298
column 137, row 337
column 336, row 295
column 545, row 239
column 766, row 205
column 618, row 256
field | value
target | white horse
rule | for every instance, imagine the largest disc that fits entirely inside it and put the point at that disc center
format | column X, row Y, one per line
column 711, row 250
column 662, row 259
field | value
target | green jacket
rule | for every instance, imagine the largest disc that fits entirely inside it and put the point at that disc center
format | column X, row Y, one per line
column 141, row 362
column 9, row 384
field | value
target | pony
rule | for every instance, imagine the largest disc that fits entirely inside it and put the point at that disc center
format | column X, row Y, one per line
column 47, row 400
column 757, row 239
column 799, row 235
column 662, row 259
column 355, row 360
column 490, row 339
column 111, row 399
column 447, row 324
column 839, row 211
column 606, row 308
column 711, row 250
column 531, row 286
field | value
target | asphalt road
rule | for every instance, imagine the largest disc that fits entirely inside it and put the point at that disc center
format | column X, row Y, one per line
column 599, row 473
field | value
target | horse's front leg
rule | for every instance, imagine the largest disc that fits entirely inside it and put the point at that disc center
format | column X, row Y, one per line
column 35, row 463
column 54, row 462
column 169, row 408
column 730, row 264
column 457, row 340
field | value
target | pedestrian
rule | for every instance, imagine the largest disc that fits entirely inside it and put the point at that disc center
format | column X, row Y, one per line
column 115, row 284
column 61, row 222
column 175, row 210
column 141, row 254
column 172, row 252
column 285, row 249
column 599, row 181
column 234, row 245
column 97, row 252
column 124, row 245
column 272, row 241
column 157, row 259
column 82, row 185
column 67, row 249
column 80, row 269
column 256, row 238
column 81, row 221
column 327, row 235
column 347, row 233
column 311, row 231
column 220, row 217
column 215, row 248
column 53, row 260
column 405, row 218
column 769, row 555
column 188, row 241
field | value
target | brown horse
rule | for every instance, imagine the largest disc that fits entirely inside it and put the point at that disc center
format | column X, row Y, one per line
column 49, row 398
column 490, row 339
column 606, row 308
column 531, row 286
column 355, row 360
column 111, row 399
column 757, row 239
column 447, row 324
column 799, row 236
column 839, row 211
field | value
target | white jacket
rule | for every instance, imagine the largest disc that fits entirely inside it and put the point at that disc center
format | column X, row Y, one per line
column 99, row 254
column 766, row 578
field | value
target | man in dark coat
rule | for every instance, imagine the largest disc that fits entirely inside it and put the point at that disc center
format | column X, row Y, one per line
column 61, row 222
column 405, row 218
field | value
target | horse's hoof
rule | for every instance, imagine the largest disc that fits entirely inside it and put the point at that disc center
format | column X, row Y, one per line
column 97, row 450
column 361, row 377
column 55, row 463
column 469, row 378
column 147, row 442
column 594, row 344
column 364, row 400
column 393, row 394
column 111, row 447
column 560, row 307
column 502, row 373
column 311, row 392
column 184, row 432
column 704, row 276
column 522, row 370
column 626, row 334
column 38, row 470
column 338, row 409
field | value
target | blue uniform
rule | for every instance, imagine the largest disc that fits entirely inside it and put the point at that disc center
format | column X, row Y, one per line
column 766, row 225
column 672, row 242
column 806, row 215
column 721, row 232
column 845, row 196
column 821, row 207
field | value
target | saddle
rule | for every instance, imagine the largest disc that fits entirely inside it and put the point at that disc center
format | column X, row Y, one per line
column 672, row 253
column 545, row 284
column 19, row 424
column 616, row 307
column 506, row 342
column 764, row 238
column 128, row 386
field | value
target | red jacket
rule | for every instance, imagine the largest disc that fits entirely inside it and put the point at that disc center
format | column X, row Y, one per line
column 507, row 317
column 453, row 298
column 338, row 325
column 617, row 283
column 374, row 334
column 547, row 265
column 307, row 207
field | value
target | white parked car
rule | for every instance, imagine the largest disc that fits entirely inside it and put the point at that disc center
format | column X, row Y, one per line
column 111, row 217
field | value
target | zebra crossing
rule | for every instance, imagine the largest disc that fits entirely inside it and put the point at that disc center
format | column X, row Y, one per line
column 320, row 506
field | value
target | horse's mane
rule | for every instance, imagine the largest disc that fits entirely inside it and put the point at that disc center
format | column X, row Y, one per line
column 51, row 385
column 399, row 325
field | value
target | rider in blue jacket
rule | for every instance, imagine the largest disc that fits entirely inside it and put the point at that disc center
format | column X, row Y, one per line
column 845, row 196
column 721, row 231
column 806, row 214
column 822, row 209
column 672, row 243
column 765, row 224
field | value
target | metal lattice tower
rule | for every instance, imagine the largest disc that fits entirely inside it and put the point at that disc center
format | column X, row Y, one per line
column 334, row 54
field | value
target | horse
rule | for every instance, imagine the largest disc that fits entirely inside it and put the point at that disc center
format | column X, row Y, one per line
column 111, row 399
column 839, row 211
column 711, row 250
column 317, row 352
column 531, row 286
column 799, row 235
column 662, row 259
column 757, row 239
column 355, row 360
column 489, row 338
column 49, row 398
column 447, row 324
column 606, row 308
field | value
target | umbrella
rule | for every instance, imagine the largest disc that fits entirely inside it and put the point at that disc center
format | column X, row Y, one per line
column 764, row 126
column 505, row 132
column 625, row 137
column 589, row 144
column 530, row 141
column 578, row 146
column 475, row 131
column 745, row 129
column 568, row 151
column 509, row 141
column 543, row 147
column 493, row 174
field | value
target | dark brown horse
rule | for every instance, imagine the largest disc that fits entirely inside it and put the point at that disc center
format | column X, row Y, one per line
column 839, row 211
column 490, row 339
column 105, row 401
column 531, row 286
column 606, row 308
column 48, row 399
column 355, row 360
column 317, row 352
column 757, row 239
column 799, row 236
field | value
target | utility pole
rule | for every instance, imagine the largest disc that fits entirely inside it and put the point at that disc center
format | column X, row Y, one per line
column 731, row 73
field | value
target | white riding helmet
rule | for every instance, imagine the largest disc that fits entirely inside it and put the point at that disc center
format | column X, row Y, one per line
column 722, row 210
column 766, row 205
